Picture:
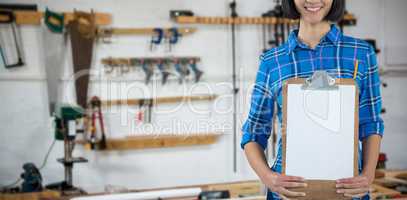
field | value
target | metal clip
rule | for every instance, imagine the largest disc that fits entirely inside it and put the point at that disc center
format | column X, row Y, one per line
column 157, row 38
column 320, row 80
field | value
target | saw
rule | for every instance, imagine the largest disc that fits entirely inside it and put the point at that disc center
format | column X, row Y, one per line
column 82, row 31
column 7, row 17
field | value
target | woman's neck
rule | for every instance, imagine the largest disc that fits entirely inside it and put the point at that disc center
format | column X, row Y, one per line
column 311, row 34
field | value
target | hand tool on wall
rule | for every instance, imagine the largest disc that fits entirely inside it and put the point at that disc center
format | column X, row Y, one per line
column 82, row 32
column 264, row 37
column 173, row 37
column 181, row 69
column 162, row 66
column 235, row 91
column 144, row 114
column 177, row 13
column 181, row 66
column 19, row 7
column 198, row 73
column 54, row 21
column 149, row 110
column 56, row 45
column 7, row 17
column 140, row 113
column 28, row 17
column 145, row 105
column 96, row 115
column 267, row 30
column 279, row 27
column 156, row 38
column 146, row 65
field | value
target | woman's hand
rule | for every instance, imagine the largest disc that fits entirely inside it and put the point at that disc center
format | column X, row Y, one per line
column 355, row 187
column 281, row 184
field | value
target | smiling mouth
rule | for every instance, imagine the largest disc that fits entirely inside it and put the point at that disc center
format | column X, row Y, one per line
column 313, row 9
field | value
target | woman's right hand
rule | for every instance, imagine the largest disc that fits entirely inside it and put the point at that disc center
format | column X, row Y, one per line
column 281, row 184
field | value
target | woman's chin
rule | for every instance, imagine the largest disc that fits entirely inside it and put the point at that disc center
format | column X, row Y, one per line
column 313, row 19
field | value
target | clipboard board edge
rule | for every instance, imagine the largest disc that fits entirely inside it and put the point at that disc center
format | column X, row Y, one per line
column 340, row 81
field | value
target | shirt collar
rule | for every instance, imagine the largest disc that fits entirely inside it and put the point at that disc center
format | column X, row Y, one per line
column 334, row 36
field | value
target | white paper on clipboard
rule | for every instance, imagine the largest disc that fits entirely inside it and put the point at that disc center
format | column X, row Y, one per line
column 320, row 141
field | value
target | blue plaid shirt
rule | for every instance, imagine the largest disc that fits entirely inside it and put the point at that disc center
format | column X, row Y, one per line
column 336, row 54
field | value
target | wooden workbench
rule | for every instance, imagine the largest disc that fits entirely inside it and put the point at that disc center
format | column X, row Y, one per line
column 236, row 189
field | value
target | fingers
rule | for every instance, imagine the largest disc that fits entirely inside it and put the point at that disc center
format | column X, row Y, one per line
column 289, row 193
column 283, row 197
column 352, row 185
column 352, row 180
column 293, row 185
column 286, row 178
column 354, row 192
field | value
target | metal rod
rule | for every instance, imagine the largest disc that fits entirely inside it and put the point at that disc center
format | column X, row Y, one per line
column 13, row 28
column 235, row 89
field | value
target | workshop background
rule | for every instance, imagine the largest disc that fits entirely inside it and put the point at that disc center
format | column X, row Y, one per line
column 26, row 126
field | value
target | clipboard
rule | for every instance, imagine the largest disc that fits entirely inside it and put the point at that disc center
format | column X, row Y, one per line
column 309, row 139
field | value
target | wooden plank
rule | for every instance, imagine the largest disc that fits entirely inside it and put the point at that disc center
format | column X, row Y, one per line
column 128, row 61
column 48, row 194
column 100, row 18
column 238, row 189
column 241, row 20
column 159, row 100
column 28, row 17
column 380, row 191
column 204, row 187
column 145, row 142
column 158, row 141
column 35, row 18
column 393, row 173
column 105, row 32
column 230, row 20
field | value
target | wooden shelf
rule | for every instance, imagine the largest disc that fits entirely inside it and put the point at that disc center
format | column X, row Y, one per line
column 130, row 61
column 230, row 20
column 106, row 32
column 47, row 194
column 159, row 141
column 159, row 100
column 242, row 20
column 35, row 18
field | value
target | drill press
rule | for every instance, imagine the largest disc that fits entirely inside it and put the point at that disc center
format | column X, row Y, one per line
column 66, row 119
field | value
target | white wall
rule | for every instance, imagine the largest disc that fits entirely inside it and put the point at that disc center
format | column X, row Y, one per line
column 25, row 124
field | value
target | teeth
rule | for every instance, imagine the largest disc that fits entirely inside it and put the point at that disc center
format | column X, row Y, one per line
column 313, row 9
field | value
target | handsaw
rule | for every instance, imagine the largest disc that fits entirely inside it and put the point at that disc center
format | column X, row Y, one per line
column 82, row 31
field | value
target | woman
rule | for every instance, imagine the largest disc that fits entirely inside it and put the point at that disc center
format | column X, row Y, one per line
column 317, row 45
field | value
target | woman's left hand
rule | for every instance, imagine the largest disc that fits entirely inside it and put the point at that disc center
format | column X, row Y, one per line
column 355, row 187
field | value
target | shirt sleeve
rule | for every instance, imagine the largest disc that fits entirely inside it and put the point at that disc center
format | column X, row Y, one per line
column 370, row 101
column 258, row 125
